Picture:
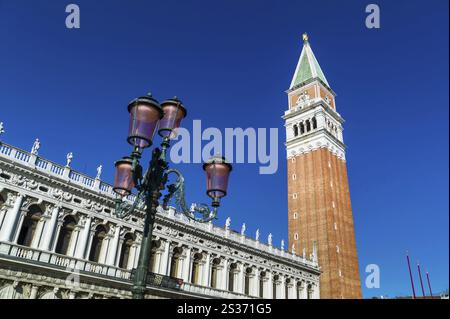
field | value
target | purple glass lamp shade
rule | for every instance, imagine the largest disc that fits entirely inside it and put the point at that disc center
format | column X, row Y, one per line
column 217, row 172
column 123, row 181
column 145, row 113
column 174, row 112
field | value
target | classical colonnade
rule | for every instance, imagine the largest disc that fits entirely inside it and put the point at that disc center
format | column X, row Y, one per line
column 51, row 227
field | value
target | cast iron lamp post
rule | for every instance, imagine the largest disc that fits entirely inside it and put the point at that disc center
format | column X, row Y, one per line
column 147, row 116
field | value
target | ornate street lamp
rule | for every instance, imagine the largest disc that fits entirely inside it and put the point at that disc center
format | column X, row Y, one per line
column 146, row 116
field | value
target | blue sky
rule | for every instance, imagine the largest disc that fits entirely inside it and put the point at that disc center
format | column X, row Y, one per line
column 230, row 62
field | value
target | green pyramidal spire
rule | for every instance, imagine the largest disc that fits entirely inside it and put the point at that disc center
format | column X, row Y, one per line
column 307, row 67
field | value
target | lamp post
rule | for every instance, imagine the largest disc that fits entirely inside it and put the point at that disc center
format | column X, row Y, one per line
column 146, row 117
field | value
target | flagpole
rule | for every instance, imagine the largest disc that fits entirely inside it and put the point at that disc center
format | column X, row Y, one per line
column 429, row 285
column 420, row 277
column 410, row 276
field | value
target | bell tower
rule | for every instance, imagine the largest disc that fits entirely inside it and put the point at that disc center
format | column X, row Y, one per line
column 319, row 208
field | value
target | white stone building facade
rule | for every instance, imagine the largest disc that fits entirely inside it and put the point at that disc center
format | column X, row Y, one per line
column 59, row 238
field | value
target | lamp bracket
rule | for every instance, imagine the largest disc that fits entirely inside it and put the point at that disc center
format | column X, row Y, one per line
column 177, row 190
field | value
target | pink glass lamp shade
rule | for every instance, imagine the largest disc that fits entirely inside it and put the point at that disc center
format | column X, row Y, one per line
column 174, row 112
column 145, row 113
column 123, row 181
column 217, row 172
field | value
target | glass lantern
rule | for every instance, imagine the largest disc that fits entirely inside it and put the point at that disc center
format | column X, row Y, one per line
column 174, row 112
column 145, row 113
column 123, row 180
column 217, row 173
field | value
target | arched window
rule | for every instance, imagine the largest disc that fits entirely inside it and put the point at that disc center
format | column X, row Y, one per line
column 302, row 128
column 195, row 275
column 262, row 276
column 286, row 288
column 314, row 123
column 97, row 243
column 248, row 275
column 175, row 262
column 308, row 126
column 65, row 235
column 274, row 286
column 295, row 130
column 11, row 291
column 215, row 272
column 128, row 242
column 231, row 275
column 297, row 289
column 29, row 225
column 155, row 245
column 309, row 292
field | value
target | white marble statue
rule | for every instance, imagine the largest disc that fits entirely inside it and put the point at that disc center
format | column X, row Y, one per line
column 293, row 249
column 227, row 223
column 69, row 158
column 99, row 172
column 257, row 235
column 282, row 244
column 269, row 239
column 304, row 253
column 2, row 128
column 243, row 228
column 36, row 146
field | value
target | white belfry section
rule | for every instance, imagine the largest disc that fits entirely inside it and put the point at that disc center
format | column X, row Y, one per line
column 56, row 220
column 313, row 128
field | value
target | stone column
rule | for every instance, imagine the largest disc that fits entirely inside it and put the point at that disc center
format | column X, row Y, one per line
column 187, row 264
column 112, row 249
column 3, row 212
column 255, row 284
column 269, row 286
column 281, row 293
column 291, row 290
column 131, row 256
column 206, row 271
column 157, row 263
column 57, row 233
column 316, row 291
column 265, row 292
column 119, row 252
column 34, row 292
column 38, row 233
column 104, row 250
column 11, row 218
column 73, row 243
column 84, row 237
column 136, row 254
column 91, row 234
column 18, row 227
column 304, row 290
column 240, row 278
column 164, row 259
column 236, row 283
column 224, row 274
column 49, row 230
